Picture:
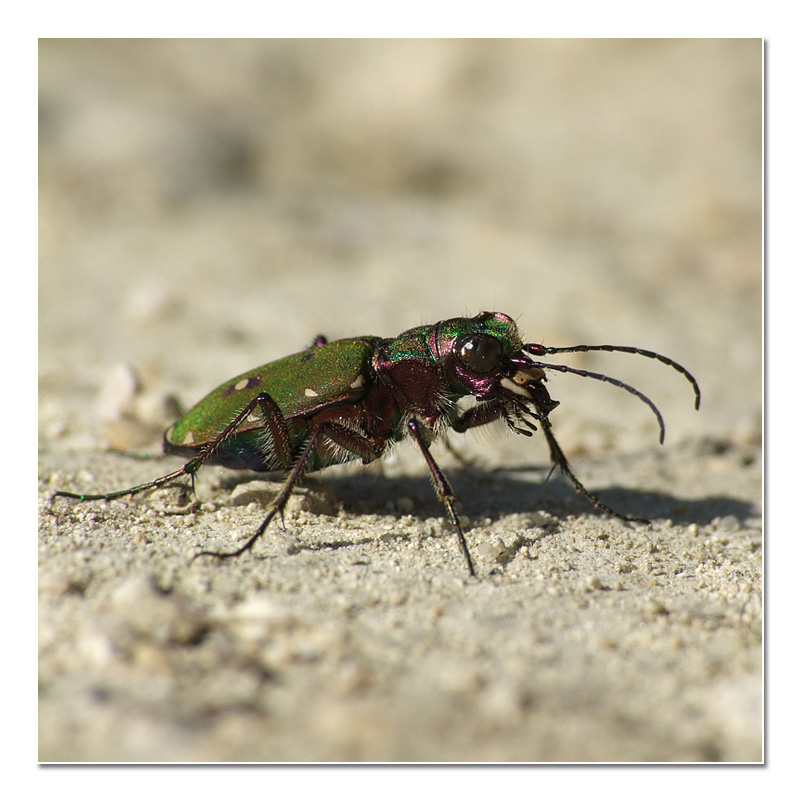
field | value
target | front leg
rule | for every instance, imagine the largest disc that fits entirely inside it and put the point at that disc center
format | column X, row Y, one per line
column 560, row 460
column 477, row 415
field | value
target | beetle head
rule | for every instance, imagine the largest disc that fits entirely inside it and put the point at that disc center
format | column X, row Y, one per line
column 483, row 356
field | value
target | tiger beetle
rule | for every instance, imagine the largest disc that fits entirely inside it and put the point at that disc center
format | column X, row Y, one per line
column 351, row 399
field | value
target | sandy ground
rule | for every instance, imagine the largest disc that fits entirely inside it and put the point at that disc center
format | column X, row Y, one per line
column 206, row 207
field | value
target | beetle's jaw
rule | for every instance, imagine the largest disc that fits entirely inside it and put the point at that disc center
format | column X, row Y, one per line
column 522, row 380
column 523, row 384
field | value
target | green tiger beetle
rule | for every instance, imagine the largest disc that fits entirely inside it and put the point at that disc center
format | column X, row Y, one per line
column 350, row 399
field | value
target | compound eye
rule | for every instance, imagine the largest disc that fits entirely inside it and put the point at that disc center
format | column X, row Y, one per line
column 479, row 352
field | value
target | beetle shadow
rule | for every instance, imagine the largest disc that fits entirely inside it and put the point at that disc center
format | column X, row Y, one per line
column 493, row 494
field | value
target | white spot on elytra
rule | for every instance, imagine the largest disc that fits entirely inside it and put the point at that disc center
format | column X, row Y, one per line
column 311, row 393
column 358, row 382
column 243, row 384
column 189, row 438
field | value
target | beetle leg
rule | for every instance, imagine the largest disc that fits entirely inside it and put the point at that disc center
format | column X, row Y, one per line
column 352, row 441
column 273, row 421
column 480, row 414
column 484, row 413
column 184, row 470
column 443, row 489
column 276, row 424
column 339, row 434
column 560, row 460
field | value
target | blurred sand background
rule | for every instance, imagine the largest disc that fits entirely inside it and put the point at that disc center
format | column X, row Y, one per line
column 208, row 206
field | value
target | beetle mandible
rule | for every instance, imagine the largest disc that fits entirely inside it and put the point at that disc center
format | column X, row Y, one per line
column 351, row 399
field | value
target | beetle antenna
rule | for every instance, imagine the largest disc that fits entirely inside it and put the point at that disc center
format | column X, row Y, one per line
column 541, row 350
column 598, row 376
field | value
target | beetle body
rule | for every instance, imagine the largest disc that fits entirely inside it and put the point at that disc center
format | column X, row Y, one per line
column 366, row 384
column 352, row 398
column 324, row 381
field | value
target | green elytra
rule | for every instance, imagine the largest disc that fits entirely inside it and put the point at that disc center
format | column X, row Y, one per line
column 299, row 384
column 351, row 399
